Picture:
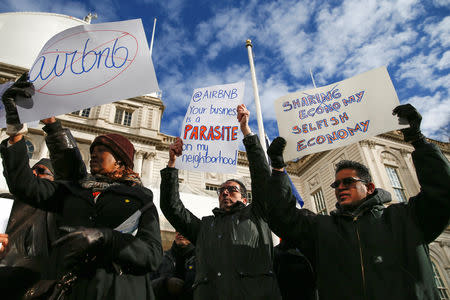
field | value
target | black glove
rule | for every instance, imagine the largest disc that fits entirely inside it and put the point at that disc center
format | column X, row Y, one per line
column 82, row 244
column 23, row 88
column 275, row 152
column 410, row 113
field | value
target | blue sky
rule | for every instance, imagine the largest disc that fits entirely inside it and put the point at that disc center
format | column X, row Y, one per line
column 202, row 43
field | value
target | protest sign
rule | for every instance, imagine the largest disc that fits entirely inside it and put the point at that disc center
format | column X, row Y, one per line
column 5, row 210
column 338, row 114
column 89, row 65
column 210, row 129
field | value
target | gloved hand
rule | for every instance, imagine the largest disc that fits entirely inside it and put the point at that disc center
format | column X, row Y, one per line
column 175, row 286
column 22, row 87
column 275, row 152
column 82, row 244
column 410, row 113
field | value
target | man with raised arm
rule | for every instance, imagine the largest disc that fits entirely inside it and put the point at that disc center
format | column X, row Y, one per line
column 234, row 246
column 364, row 250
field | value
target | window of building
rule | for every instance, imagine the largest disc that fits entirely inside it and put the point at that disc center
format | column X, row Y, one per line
column 319, row 202
column 30, row 148
column 84, row 113
column 123, row 117
column 443, row 291
column 396, row 184
column 211, row 187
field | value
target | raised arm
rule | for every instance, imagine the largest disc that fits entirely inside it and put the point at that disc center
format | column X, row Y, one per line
column 258, row 166
column 287, row 221
column 64, row 153
column 431, row 207
column 40, row 193
column 173, row 209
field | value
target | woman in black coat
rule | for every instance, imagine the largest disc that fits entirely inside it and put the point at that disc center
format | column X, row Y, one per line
column 106, row 259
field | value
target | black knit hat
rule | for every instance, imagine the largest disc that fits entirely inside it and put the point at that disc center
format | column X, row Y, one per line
column 47, row 163
column 121, row 147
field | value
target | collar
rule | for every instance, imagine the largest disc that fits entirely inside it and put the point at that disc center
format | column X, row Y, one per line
column 235, row 207
column 374, row 201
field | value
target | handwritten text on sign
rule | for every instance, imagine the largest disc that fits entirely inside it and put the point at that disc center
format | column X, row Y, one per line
column 337, row 115
column 210, row 129
column 90, row 65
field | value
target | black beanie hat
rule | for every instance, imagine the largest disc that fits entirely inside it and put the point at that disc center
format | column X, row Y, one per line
column 121, row 147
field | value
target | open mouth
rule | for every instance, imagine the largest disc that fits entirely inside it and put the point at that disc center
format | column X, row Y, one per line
column 343, row 196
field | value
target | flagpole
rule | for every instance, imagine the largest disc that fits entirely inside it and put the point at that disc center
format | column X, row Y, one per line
column 262, row 136
column 153, row 37
column 312, row 78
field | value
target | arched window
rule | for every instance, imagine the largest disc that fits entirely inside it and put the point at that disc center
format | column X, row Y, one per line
column 30, row 148
column 396, row 184
column 391, row 165
column 443, row 291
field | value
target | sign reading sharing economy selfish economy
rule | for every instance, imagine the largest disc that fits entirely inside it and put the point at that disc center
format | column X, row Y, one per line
column 338, row 114
column 210, row 129
column 89, row 65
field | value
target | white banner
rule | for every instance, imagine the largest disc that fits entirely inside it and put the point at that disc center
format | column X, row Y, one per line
column 89, row 65
column 337, row 114
column 210, row 129
column 5, row 211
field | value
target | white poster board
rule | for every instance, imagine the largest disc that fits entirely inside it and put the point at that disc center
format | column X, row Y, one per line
column 210, row 129
column 337, row 114
column 5, row 210
column 89, row 65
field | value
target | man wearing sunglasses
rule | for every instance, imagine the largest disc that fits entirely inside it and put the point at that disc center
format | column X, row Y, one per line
column 364, row 250
column 234, row 248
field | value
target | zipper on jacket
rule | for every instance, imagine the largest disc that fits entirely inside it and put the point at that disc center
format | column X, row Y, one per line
column 355, row 219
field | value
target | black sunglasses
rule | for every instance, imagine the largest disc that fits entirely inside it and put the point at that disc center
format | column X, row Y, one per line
column 346, row 182
column 42, row 171
column 230, row 189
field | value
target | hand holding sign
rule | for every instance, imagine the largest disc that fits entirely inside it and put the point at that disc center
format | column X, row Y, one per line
column 413, row 117
column 22, row 88
column 243, row 118
column 176, row 149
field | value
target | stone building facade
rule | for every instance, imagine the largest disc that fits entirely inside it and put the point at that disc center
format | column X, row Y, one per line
column 139, row 119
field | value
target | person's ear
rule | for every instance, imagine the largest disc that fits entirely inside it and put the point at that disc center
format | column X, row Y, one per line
column 370, row 188
column 244, row 200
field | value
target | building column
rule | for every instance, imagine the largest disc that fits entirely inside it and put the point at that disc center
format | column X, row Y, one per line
column 151, row 159
column 43, row 151
column 138, row 162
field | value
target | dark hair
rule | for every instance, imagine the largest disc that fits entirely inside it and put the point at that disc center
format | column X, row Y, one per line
column 361, row 170
column 241, row 186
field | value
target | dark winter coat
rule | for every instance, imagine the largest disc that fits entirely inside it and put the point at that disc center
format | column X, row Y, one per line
column 177, row 262
column 233, row 248
column 121, row 271
column 294, row 273
column 376, row 252
column 31, row 230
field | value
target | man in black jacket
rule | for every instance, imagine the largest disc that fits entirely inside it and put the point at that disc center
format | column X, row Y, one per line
column 234, row 246
column 176, row 273
column 364, row 250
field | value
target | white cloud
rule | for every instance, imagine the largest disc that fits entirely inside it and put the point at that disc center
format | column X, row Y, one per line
column 441, row 3
column 106, row 10
column 420, row 71
column 227, row 29
column 439, row 32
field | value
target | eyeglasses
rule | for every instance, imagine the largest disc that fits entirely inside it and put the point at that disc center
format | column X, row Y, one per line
column 230, row 189
column 42, row 171
column 346, row 182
